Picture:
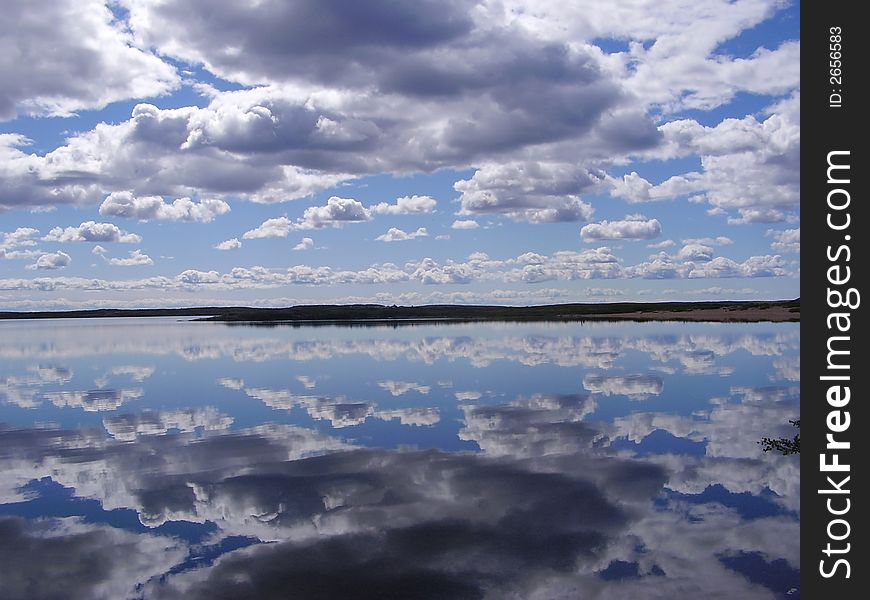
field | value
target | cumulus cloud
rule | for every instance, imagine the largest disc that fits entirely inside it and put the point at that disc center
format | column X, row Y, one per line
column 145, row 208
column 98, row 250
column 530, row 191
column 397, row 235
column 90, row 62
column 51, row 261
column 529, row 268
column 550, row 115
column 136, row 259
column 277, row 227
column 754, row 266
column 22, row 236
column 633, row 227
column 19, row 244
column 695, row 252
column 230, row 244
column 785, row 240
column 720, row 240
column 335, row 213
column 465, row 224
column 90, row 231
column 750, row 168
column 306, row 244
column 406, row 205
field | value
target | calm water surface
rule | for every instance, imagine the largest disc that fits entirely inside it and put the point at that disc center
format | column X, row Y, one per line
column 152, row 458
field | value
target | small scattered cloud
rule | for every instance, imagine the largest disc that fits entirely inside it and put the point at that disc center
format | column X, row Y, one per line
column 51, row 261
column 231, row 244
column 270, row 228
column 336, row 212
column 785, row 240
column 136, row 258
column 406, row 205
column 695, row 252
column 231, row 383
column 306, row 244
column 465, row 224
column 710, row 241
column 397, row 235
column 633, row 227
column 91, row 231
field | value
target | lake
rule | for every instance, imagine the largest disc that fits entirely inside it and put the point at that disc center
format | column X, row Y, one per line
column 157, row 458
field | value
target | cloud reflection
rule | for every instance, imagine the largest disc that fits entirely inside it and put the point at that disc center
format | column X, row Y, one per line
column 341, row 412
column 635, row 387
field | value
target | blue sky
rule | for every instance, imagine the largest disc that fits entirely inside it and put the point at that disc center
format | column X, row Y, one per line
column 269, row 153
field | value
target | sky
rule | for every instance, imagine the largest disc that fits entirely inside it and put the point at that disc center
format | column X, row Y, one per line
column 162, row 153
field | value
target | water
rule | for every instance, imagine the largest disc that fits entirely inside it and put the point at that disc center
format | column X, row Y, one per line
column 154, row 458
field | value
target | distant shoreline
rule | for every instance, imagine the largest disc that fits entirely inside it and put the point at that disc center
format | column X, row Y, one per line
column 722, row 312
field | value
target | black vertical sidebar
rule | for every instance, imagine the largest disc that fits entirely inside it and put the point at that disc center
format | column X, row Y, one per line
column 835, row 357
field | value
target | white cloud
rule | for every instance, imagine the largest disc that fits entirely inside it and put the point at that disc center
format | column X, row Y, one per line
column 708, row 241
column 754, row 266
column 465, row 224
column 633, row 227
column 98, row 250
column 90, row 61
column 748, row 167
column 145, row 208
column 336, row 212
column 90, row 231
column 406, row 205
column 760, row 215
column 786, row 240
column 662, row 244
column 136, row 259
column 527, row 268
column 11, row 244
column 230, row 244
column 277, row 227
column 22, row 236
column 537, row 192
column 51, row 260
column 397, row 235
column 306, row 244
column 695, row 252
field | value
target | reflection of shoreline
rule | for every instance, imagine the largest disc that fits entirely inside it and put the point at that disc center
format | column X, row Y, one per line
column 364, row 314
